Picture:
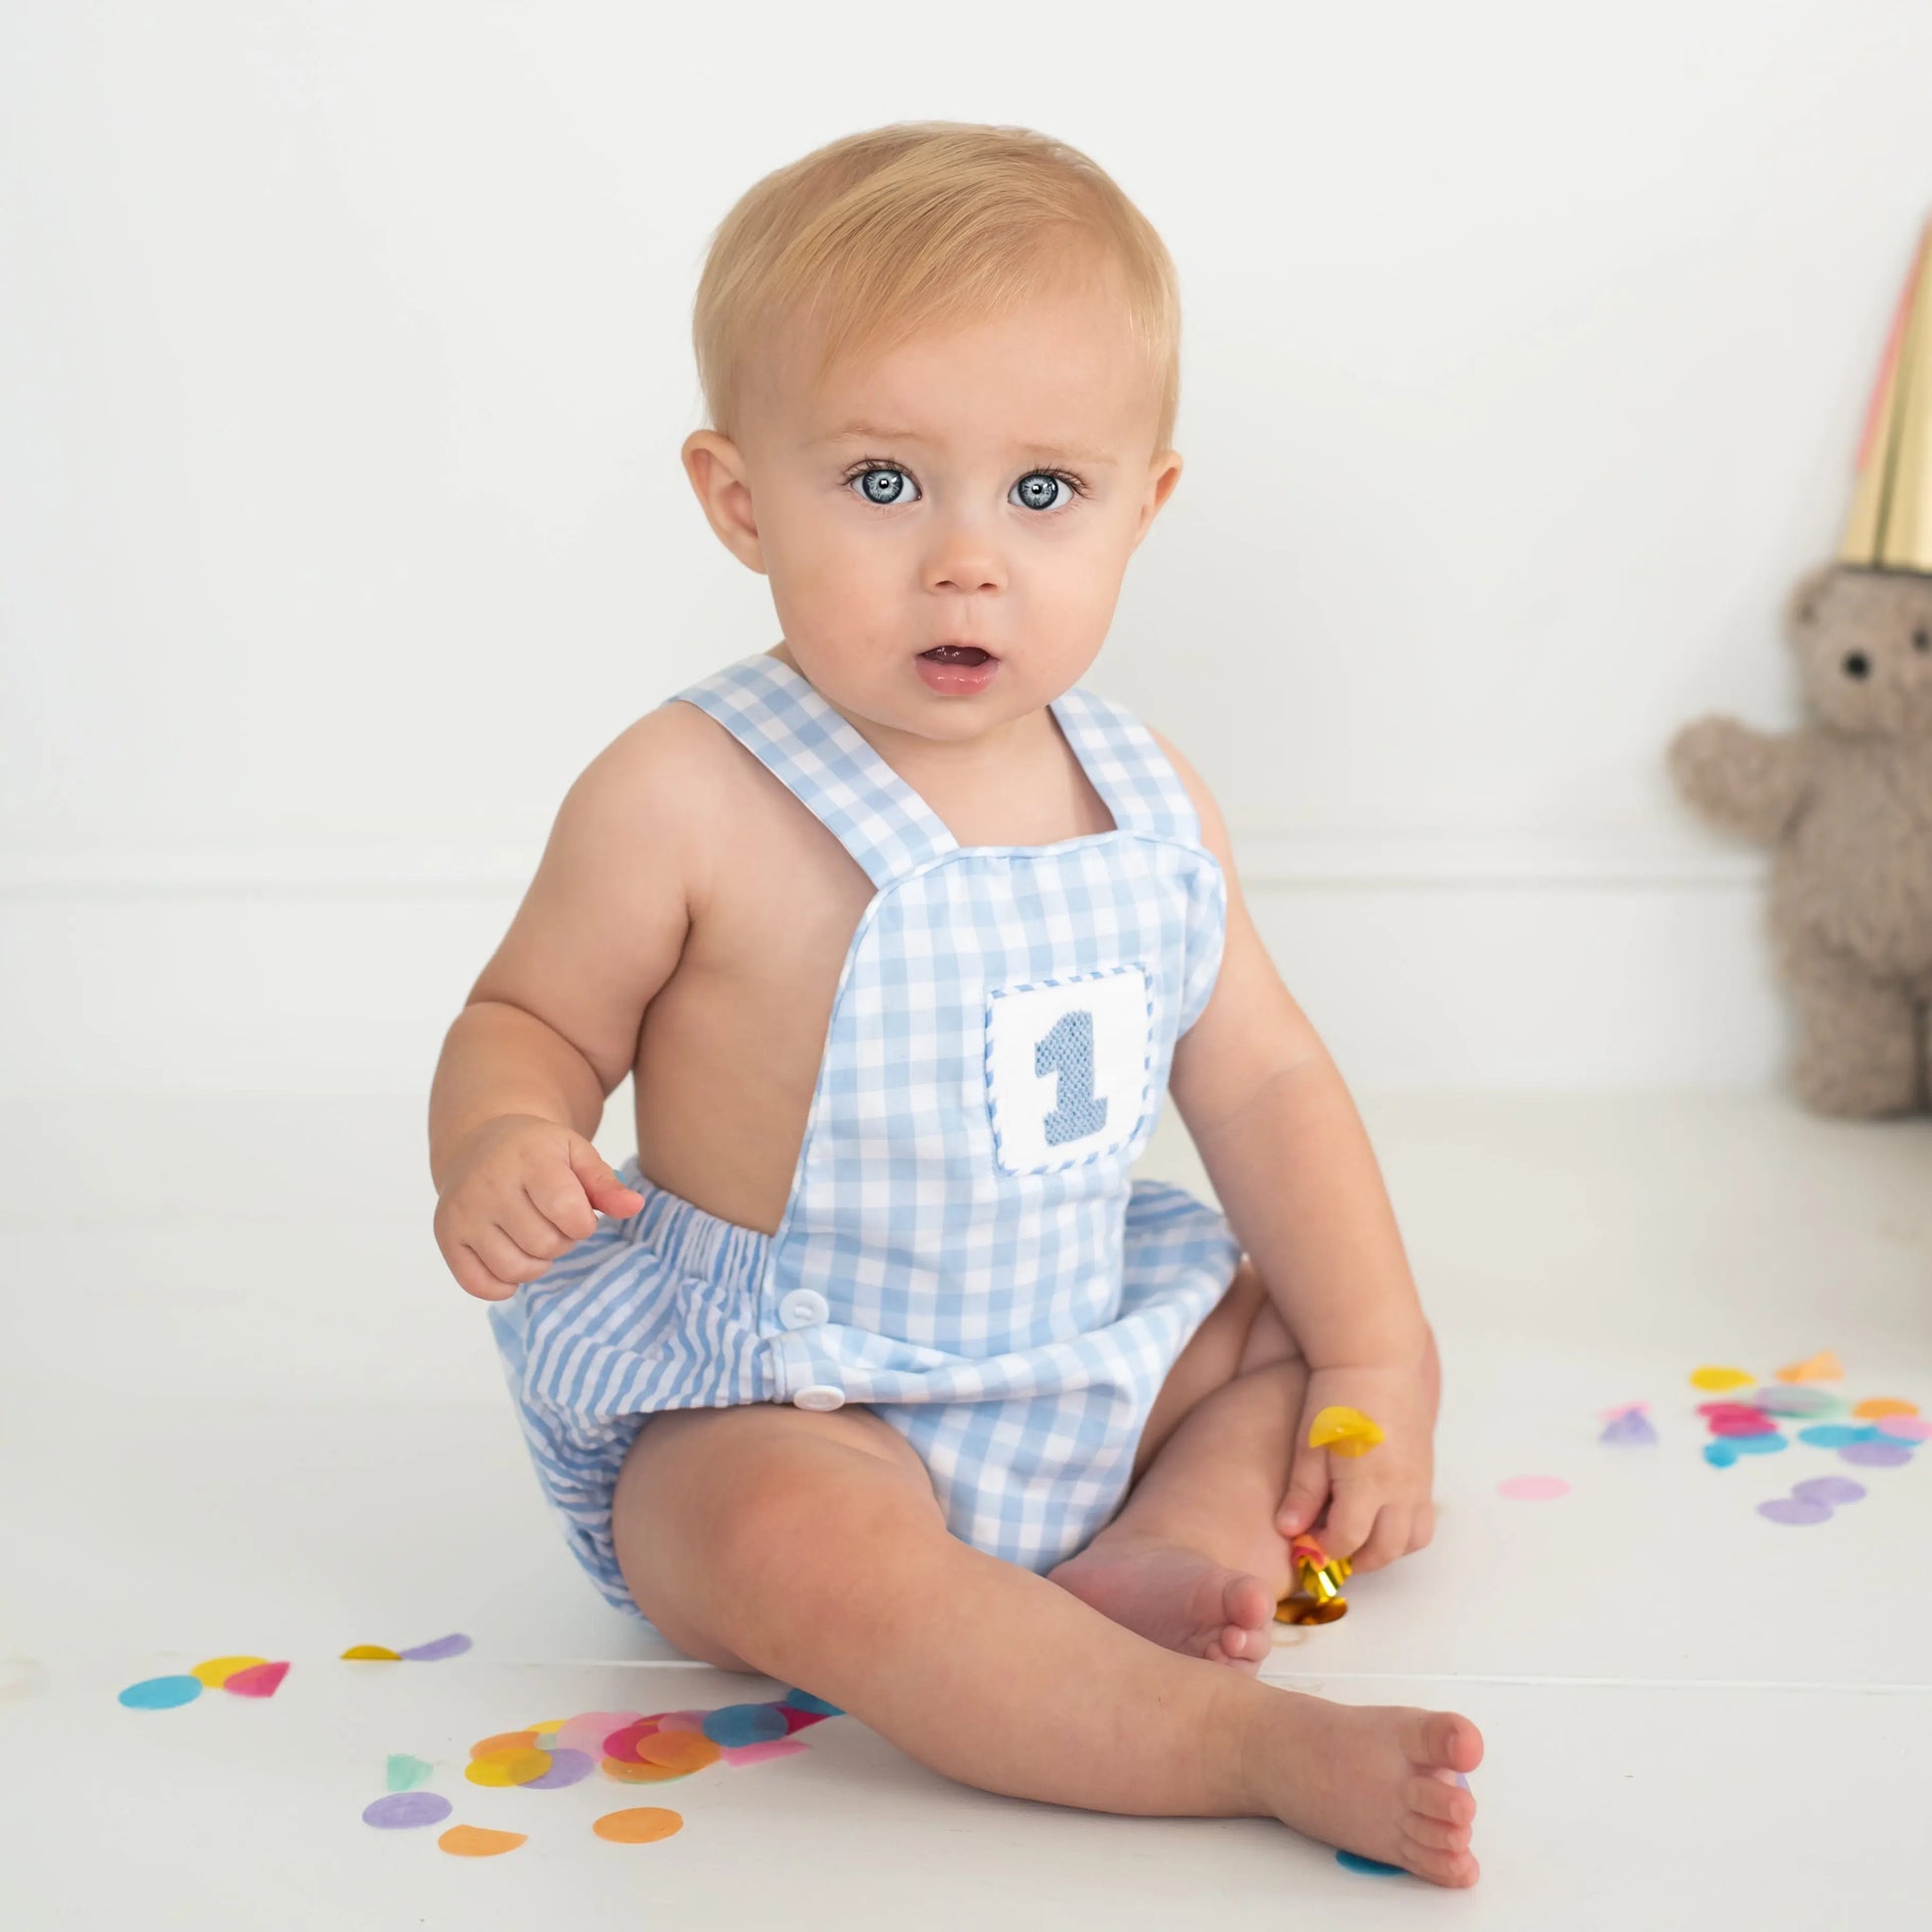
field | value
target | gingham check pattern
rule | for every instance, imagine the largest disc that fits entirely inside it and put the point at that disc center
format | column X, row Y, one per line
column 1016, row 1329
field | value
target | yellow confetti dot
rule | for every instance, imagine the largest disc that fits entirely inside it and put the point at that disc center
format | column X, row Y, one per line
column 508, row 1768
column 370, row 1653
column 473, row 1842
column 1344, row 1432
column 1817, row 1368
column 1872, row 1409
column 641, row 1825
column 504, row 1741
column 1720, row 1378
column 217, row 1670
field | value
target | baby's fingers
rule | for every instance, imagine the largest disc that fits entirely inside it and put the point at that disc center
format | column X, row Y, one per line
column 475, row 1279
column 1308, row 1490
column 1351, row 1516
column 1388, row 1540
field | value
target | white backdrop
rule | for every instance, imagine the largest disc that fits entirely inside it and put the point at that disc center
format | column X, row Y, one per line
column 344, row 364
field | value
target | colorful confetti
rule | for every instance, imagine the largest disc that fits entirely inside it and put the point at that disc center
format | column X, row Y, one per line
column 504, row 1768
column 1875, row 1407
column 1828, row 1490
column 1720, row 1378
column 403, row 1811
column 566, row 1769
column 1795, row 1511
column 1632, row 1426
column 1837, row 1434
column 1344, row 1432
column 761, row 1752
column 1816, row 1403
column 257, row 1681
column 744, row 1723
column 370, row 1653
column 216, row 1671
column 1876, row 1455
column 453, row 1645
column 473, row 1842
column 1532, row 1489
column 1905, row 1429
column 1816, row 1368
column 405, row 1773
column 161, row 1693
column 641, row 1825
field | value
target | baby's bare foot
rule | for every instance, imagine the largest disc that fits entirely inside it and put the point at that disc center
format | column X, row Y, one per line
column 1178, row 1598
column 1376, row 1779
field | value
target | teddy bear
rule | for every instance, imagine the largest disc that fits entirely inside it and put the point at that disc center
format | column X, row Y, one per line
column 1846, row 804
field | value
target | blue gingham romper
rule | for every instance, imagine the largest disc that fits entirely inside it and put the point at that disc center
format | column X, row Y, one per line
column 964, row 1248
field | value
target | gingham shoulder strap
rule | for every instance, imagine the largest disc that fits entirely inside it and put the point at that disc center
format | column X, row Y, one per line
column 781, row 719
column 1126, row 767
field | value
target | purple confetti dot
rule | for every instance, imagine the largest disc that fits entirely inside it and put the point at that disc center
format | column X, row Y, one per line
column 403, row 1810
column 1828, row 1490
column 1794, row 1511
column 566, row 1769
column 1875, row 1456
column 433, row 1653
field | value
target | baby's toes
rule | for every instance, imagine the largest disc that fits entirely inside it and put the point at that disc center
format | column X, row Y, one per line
column 1433, row 1797
column 1442, row 1740
column 1436, row 1834
column 1454, row 1868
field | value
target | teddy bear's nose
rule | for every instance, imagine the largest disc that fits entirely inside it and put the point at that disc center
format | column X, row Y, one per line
column 1857, row 665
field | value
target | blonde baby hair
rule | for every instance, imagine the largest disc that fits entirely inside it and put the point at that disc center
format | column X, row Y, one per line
column 877, row 236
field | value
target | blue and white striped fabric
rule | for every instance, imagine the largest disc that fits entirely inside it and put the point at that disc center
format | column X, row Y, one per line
column 964, row 1246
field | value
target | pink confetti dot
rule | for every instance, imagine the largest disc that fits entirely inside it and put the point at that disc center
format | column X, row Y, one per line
column 1532, row 1489
column 1905, row 1429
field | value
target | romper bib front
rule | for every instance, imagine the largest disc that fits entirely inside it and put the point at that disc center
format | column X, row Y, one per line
column 964, row 1248
column 964, row 1245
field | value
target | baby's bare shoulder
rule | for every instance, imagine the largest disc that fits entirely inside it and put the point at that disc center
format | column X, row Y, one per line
column 1213, row 830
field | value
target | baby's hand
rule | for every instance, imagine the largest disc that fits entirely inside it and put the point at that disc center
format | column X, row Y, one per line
column 520, row 1191
column 1378, row 1503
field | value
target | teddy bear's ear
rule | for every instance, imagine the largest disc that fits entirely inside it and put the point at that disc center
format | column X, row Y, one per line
column 1807, row 598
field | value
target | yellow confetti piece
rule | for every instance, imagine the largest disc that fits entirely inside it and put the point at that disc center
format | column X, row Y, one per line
column 473, row 1842
column 1720, row 1378
column 1819, row 1368
column 508, row 1768
column 372, row 1653
column 1872, row 1408
column 217, row 1670
column 504, row 1741
column 641, row 1825
column 1344, row 1432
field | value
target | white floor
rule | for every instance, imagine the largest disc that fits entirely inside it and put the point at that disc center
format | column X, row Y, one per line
column 242, row 1409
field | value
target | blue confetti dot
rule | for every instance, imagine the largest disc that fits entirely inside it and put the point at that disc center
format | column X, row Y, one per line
column 1722, row 1454
column 1757, row 1445
column 161, row 1693
column 804, row 1701
column 1836, row 1435
column 745, row 1724
column 1369, row 1868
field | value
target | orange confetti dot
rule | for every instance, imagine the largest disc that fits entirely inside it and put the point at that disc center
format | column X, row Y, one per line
column 504, row 1741
column 370, row 1653
column 473, row 1842
column 625, row 1770
column 217, row 1670
column 508, row 1768
column 1872, row 1408
column 1720, row 1378
column 1817, row 1368
column 641, row 1825
column 677, row 1751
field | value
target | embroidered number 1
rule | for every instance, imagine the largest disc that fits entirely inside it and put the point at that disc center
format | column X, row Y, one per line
column 1068, row 1050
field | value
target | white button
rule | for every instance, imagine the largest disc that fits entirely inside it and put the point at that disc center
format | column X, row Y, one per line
column 803, row 1308
column 819, row 1395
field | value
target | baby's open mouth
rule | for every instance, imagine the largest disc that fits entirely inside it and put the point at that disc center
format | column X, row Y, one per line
column 957, row 654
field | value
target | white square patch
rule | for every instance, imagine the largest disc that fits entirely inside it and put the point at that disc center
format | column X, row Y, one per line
column 1068, row 1069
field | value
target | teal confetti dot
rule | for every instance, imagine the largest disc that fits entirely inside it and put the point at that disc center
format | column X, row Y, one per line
column 1368, row 1867
column 1836, row 1435
column 745, row 1724
column 1757, row 1445
column 161, row 1693
column 804, row 1701
column 1722, row 1454
column 405, row 1773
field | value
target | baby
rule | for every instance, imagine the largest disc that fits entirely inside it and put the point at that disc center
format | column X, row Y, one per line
column 880, row 1374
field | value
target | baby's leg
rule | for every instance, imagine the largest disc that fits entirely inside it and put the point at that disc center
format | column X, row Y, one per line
column 810, row 1548
column 1193, row 1560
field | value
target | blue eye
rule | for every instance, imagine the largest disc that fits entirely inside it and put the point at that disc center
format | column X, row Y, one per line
column 1040, row 490
column 885, row 486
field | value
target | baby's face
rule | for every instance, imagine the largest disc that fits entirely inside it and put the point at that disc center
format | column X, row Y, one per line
column 981, row 489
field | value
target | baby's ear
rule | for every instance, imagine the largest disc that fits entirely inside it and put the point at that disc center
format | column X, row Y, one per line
column 1806, row 603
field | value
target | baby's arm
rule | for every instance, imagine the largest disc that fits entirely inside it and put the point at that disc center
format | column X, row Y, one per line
column 1292, row 1163
column 550, row 1027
